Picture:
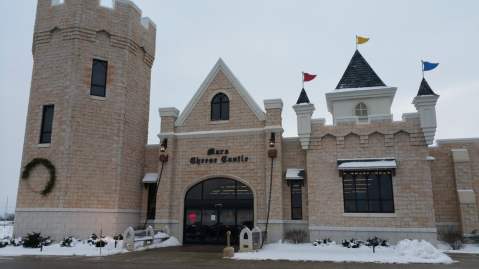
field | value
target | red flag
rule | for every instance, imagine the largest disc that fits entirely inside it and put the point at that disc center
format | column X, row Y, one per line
column 308, row 77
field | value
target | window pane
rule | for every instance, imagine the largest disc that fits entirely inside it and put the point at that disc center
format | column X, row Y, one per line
column 195, row 192
column 374, row 206
column 99, row 78
column 220, row 107
column 243, row 191
column 296, row 213
column 219, row 189
column 368, row 191
column 373, row 186
column 386, row 187
column 98, row 91
column 296, row 200
column 349, row 206
column 225, row 111
column 47, row 124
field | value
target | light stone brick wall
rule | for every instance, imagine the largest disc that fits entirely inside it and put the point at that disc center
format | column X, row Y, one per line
column 251, row 141
column 412, row 186
column 97, row 144
column 451, row 175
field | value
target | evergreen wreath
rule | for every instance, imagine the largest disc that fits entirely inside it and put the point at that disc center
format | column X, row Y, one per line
column 51, row 169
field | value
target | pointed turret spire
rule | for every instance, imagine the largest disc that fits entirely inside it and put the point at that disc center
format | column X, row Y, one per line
column 425, row 89
column 303, row 98
column 359, row 74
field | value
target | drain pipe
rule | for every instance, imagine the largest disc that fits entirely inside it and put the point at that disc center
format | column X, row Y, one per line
column 272, row 153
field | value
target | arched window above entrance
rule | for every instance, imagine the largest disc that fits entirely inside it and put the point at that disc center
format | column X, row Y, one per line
column 220, row 107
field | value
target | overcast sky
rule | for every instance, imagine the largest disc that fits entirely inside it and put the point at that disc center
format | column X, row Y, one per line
column 267, row 44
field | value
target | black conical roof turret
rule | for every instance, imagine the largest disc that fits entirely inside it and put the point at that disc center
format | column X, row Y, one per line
column 303, row 98
column 425, row 89
column 359, row 74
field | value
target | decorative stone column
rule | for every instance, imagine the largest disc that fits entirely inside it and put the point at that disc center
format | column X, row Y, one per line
column 465, row 192
column 426, row 107
column 304, row 112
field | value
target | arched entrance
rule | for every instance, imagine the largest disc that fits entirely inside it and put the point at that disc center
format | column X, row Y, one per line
column 215, row 206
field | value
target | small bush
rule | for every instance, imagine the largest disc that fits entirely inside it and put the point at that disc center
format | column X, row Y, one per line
column 455, row 239
column 3, row 244
column 67, row 242
column 36, row 240
column 325, row 241
column 296, row 236
column 118, row 237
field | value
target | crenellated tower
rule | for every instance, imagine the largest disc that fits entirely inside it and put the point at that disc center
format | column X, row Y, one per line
column 88, row 116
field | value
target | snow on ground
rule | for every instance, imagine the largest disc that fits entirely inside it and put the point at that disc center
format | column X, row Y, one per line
column 406, row 251
column 6, row 229
column 82, row 248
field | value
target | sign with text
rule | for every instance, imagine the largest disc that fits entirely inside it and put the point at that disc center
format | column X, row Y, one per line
column 218, row 156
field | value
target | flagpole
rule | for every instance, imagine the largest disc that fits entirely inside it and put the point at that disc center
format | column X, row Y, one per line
column 302, row 78
column 422, row 68
column 356, row 42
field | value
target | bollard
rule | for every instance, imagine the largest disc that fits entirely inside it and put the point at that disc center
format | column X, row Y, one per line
column 228, row 251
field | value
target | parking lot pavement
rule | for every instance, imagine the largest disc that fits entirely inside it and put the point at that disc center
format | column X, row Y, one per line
column 192, row 257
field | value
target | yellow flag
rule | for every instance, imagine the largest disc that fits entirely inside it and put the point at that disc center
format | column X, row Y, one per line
column 361, row 39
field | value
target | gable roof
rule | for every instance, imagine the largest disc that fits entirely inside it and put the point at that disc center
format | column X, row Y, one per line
column 220, row 66
column 303, row 98
column 359, row 74
column 425, row 89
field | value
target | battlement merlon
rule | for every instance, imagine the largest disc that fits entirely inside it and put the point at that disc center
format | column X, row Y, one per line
column 123, row 19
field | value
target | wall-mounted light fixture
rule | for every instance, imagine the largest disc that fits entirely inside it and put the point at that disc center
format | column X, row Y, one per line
column 164, row 145
column 272, row 140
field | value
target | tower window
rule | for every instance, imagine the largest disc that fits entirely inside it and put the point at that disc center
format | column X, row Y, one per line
column 98, row 78
column 296, row 201
column 47, row 124
column 220, row 107
column 361, row 110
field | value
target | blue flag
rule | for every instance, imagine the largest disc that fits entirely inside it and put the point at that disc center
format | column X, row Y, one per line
column 427, row 66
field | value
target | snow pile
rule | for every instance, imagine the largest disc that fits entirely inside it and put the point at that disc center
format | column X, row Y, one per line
column 83, row 248
column 418, row 253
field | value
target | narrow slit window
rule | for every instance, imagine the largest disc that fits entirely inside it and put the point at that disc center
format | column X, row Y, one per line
column 47, row 124
column 296, row 202
column 99, row 78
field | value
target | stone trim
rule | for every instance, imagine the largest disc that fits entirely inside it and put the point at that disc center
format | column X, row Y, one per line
column 457, row 141
column 273, row 103
column 460, row 155
column 371, row 229
column 221, row 132
column 280, row 221
column 370, row 215
column 220, row 66
column 466, row 196
column 92, row 210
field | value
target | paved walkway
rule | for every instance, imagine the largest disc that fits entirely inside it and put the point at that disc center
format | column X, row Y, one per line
column 209, row 257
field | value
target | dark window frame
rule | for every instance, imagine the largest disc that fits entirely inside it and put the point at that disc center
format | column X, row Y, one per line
column 46, row 129
column 151, row 201
column 296, row 206
column 220, row 107
column 98, row 89
column 383, row 197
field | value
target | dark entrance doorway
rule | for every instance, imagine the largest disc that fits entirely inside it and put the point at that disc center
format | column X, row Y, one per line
column 215, row 206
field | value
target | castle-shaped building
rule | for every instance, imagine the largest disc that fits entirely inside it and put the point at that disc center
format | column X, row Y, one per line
column 223, row 163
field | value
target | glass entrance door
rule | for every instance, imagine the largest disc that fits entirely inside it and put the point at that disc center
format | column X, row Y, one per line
column 214, row 207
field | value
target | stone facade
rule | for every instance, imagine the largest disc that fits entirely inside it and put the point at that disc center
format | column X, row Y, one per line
column 98, row 145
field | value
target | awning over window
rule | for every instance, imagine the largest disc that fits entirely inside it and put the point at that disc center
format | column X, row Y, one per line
column 150, row 178
column 295, row 174
column 367, row 164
